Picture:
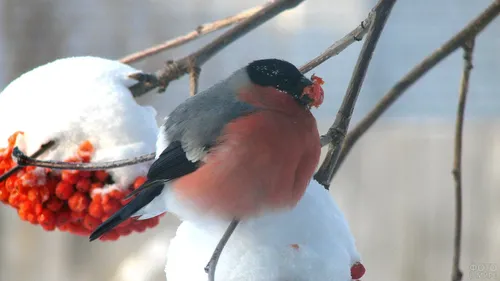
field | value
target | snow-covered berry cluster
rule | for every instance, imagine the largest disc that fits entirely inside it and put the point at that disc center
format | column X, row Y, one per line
column 84, row 105
column 69, row 200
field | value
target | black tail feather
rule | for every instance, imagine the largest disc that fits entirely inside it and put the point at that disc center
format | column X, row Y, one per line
column 142, row 187
column 142, row 199
column 113, row 221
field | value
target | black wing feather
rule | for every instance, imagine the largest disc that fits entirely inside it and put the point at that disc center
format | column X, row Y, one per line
column 171, row 164
column 127, row 211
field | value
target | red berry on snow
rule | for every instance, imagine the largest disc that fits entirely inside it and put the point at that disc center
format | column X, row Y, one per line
column 357, row 271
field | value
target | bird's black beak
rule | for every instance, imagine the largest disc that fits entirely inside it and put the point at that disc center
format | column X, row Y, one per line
column 304, row 82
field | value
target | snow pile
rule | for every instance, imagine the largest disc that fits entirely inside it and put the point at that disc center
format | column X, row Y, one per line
column 311, row 242
column 77, row 99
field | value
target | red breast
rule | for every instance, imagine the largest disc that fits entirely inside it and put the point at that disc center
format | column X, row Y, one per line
column 263, row 161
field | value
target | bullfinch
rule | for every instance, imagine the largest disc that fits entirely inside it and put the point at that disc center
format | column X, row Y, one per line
column 245, row 146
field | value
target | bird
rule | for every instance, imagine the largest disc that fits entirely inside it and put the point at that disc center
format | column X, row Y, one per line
column 244, row 147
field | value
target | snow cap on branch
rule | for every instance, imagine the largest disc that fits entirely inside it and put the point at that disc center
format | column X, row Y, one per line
column 75, row 99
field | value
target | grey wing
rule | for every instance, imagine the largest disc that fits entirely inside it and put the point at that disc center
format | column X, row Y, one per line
column 199, row 121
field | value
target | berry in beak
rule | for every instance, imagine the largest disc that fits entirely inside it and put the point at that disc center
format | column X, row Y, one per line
column 314, row 93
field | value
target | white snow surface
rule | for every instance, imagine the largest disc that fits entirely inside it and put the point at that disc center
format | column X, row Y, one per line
column 76, row 99
column 261, row 249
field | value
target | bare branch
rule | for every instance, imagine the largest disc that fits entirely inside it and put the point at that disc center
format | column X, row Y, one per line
column 149, row 81
column 146, row 82
column 338, row 130
column 469, row 31
column 44, row 147
column 194, row 76
column 176, row 69
column 212, row 263
column 457, row 162
column 24, row 160
column 186, row 38
column 340, row 45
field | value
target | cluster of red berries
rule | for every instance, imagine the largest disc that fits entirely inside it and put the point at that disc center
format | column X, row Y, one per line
column 67, row 200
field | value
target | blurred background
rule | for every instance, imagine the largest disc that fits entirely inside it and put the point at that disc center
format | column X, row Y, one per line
column 396, row 187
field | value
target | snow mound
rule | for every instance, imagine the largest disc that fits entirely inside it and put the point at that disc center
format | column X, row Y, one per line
column 76, row 99
column 310, row 242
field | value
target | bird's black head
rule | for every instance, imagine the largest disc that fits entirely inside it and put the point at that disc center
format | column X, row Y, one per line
column 281, row 75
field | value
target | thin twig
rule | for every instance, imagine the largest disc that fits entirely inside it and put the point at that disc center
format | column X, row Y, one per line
column 194, row 77
column 176, row 69
column 44, row 147
column 457, row 162
column 469, row 31
column 338, row 130
column 186, row 38
column 212, row 263
column 339, row 45
column 24, row 160
column 149, row 81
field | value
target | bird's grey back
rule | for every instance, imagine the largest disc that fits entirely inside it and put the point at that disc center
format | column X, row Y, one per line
column 198, row 121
